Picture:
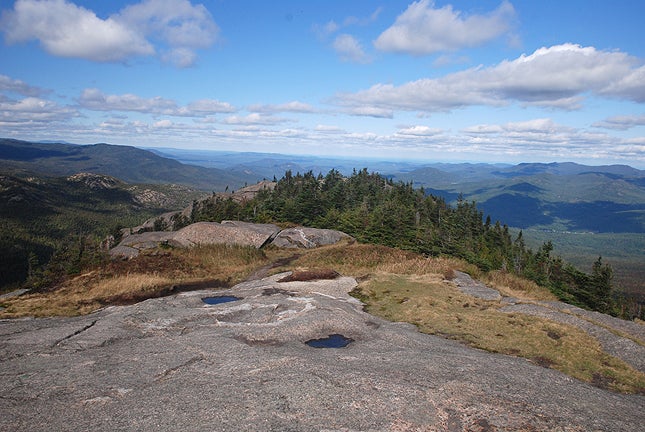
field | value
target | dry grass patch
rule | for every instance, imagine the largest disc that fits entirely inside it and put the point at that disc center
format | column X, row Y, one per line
column 150, row 275
column 511, row 285
column 437, row 307
column 361, row 260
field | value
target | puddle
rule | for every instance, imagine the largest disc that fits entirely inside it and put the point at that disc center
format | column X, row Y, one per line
column 331, row 341
column 219, row 299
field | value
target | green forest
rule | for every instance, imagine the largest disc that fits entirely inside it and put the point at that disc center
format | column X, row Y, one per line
column 375, row 210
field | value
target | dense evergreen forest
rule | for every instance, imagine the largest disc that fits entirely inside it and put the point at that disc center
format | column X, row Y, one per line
column 375, row 210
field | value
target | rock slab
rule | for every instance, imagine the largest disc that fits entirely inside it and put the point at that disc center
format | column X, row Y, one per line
column 230, row 233
column 176, row 363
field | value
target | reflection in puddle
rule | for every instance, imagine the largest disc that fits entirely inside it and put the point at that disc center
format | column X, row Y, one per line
column 219, row 299
column 331, row 341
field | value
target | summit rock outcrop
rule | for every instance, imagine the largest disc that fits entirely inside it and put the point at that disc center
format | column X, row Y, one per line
column 178, row 363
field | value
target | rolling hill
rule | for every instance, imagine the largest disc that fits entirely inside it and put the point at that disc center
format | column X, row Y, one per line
column 130, row 164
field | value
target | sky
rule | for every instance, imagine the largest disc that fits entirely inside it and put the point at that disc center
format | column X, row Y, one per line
column 452, row 81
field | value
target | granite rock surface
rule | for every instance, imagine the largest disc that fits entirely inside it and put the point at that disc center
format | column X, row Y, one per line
column 177, row 363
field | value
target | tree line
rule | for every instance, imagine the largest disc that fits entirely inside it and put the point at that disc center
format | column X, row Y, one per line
column 376, row 210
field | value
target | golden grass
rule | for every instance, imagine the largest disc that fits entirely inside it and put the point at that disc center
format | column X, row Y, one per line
column 150, row 275
column 511, row 285
column 360, row 260
column 437, row 307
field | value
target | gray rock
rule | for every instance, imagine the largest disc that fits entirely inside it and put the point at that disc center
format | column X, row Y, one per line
column 469, row 286
column 306, row 238
column 268, row 231
column 176, row 363
column 230, row 233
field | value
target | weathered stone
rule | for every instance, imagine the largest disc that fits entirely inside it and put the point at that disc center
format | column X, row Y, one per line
column 228, row 232
column 121, row 251
column 475, row 288
column 215, row 233
column 302, row 237
column 176, row 363
column 131, row 245
column 267, row 230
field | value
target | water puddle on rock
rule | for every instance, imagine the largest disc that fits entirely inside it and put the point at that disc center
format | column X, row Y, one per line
column 331, row 341
column 219, row 299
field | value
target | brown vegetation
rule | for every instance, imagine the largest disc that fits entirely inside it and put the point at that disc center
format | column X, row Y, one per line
column 159, row 273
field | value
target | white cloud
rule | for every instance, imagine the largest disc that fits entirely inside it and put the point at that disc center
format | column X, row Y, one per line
column 533, row 126
column 96, row 100
column 254, row 119
column 31, row 109
column 370, row 111
column 329, row 129
column 67, row 30
column 183, row 27
column 423, row 29
column 630, row 86
column 293, row 106
column 555, row 77
column 419, row 131
column 16, row 86
column 325, row 30
column 350, row 49
column 621, row 122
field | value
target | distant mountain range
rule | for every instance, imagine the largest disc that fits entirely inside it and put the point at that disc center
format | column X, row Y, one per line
column 554, row 196
column 550, row 201
column 130, row 164
column 559, row 196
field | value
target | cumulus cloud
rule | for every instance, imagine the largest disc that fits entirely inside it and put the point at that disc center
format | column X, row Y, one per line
column 541, row 125
column 10, row 85
column 350, row 49
column 555, row 77
column 172, row 28
column 96, row 100
column 32, row 109
column 254, row 119
column 293, row 106
column 621, row 122
column 419, row 131
column 370, row 111
column 329, row 129
column 347, row 46
column 325, row 30
column 424, row 29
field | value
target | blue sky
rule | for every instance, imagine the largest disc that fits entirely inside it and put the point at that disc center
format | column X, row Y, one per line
column 490, row 81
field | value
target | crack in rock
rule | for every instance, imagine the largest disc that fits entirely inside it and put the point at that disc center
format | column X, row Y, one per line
column 76, row 333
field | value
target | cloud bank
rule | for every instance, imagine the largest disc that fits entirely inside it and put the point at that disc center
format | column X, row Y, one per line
column 553, row 77
column 171, row 29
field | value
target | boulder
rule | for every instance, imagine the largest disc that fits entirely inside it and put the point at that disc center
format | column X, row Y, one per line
column 306, row 238
column 229, row 233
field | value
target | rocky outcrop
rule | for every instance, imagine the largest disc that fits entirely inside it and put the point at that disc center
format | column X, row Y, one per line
column 95, row 181
column 225, row 233
column 306, row 238
column 228, row 232
column 177, row 363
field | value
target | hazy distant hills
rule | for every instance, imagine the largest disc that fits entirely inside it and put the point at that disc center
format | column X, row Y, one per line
column 560, row 196
column 554, row 196
column 126, row 163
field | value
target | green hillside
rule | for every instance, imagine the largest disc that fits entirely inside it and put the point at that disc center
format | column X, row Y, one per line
column 44, row 216
column 129, row 164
